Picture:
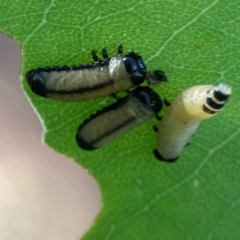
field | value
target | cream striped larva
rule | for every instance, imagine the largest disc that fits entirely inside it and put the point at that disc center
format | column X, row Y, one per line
column 184, row 116
column 92, row 80
column 138, row 106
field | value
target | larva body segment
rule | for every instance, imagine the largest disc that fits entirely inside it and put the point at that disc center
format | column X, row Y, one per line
column 138, row 106
column 184, row 116
column 93, row 80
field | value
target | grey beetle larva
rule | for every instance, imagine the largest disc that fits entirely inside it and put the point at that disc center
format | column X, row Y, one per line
column 184, row 116
column 138, row 106
column 92, row 80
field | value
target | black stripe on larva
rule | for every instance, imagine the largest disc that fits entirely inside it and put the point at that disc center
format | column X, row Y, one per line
column 113, row 130
column 38, row 86
column 213, row 104
column 38, row 83
column 207, row 110
column 219, row 95
column 151, row 99
column 116, row 105
column 161, row 158
column 81, row 142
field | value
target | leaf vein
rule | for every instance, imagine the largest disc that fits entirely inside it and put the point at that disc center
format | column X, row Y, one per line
column 42, row 23
column 175, row 33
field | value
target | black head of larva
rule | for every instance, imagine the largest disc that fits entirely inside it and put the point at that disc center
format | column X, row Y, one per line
column 148, row 97
column 222, row 92
column 135, row 67
column 37, row 82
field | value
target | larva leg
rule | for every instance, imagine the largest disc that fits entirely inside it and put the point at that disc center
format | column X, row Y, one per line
column 120, row 49
column 73, row 67
column 114, row 95
column 104, row 53
column 155, row 129
column 94, row 56
column 166, row 102
column 55, row 68
column 159, row 118
column 187, row 144
column 64, row 68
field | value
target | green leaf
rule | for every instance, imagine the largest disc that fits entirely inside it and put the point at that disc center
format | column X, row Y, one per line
column 194, row 42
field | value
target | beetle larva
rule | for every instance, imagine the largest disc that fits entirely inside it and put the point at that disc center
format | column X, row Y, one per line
column 184, row 116
column 138, row 106
column 92, row 80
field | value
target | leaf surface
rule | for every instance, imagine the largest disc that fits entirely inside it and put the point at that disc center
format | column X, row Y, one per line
column 198, row 197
